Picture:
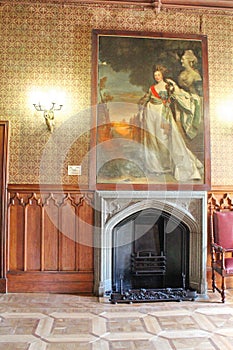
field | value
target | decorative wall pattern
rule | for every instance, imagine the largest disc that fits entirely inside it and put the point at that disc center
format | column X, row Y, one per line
column 49, row 46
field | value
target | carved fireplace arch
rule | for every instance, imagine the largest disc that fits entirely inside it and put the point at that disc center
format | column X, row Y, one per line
column 115, row 208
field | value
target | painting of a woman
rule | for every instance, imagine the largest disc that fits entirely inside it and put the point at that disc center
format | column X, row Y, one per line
column 152, row 121
column 165, row 148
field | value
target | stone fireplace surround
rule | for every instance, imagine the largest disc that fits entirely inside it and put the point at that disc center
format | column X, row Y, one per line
column 190, row 207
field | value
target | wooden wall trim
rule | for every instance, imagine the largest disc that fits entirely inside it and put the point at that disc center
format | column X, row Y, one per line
column 221, row 198
column 176, row 4
column 4, row 139
column 47, row 188
column 50, row 240
column 50, row 282
column 222, row 189
column 179, row 4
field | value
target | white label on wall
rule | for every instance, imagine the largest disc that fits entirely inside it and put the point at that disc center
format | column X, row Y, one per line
column 74, row 170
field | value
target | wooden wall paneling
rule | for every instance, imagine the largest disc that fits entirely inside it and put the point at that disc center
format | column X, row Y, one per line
column 16, row 233
column 33, row 234
column 51, row 234
column 4, row 131
column 85, row 241
column 67, row 235
column 50, row 240
column 44, row 255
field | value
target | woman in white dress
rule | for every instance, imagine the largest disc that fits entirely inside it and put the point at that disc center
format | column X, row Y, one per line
column 165, row 148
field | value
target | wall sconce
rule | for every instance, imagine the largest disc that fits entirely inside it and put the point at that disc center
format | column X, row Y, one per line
column 48, row 114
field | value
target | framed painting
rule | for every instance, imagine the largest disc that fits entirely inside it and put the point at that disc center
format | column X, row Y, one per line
column 150, row 111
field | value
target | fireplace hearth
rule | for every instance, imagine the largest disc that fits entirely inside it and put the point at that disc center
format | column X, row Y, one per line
column 153, row 295
column 134, row 261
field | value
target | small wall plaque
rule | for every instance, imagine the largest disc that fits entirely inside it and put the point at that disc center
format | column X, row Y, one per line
column 74, row 169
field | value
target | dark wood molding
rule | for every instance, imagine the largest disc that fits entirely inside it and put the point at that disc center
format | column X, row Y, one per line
column 48, row 188
column 4, row 132
column 222, row 189
column 3, row 285
column 164, row 4
column 50, row 282
column 220, row 4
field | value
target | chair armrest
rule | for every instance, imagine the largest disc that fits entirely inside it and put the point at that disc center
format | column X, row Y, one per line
column 218, row 248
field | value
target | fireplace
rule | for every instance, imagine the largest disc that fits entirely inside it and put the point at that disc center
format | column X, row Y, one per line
column 150, row 240
column 156, row 254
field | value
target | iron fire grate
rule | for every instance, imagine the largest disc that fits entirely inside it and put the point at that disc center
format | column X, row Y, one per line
column 153, row 295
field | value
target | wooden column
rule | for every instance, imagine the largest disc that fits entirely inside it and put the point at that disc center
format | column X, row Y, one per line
column 3, row 180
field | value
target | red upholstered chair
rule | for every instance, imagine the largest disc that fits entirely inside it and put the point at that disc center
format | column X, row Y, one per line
column 222, row 248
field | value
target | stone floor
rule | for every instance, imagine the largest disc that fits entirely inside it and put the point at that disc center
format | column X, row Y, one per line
column 70, row 322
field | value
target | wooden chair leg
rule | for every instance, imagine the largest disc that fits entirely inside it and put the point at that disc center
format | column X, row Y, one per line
column 223, row 290
column 213, row 281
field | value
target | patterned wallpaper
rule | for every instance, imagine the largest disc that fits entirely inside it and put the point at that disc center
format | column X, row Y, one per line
column 49, row 47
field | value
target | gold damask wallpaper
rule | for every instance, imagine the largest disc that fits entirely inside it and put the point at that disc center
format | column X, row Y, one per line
column 49, row 47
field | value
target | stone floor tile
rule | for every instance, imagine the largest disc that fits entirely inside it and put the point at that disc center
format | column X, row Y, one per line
column 204, row 322
column 222, row 342
column 151, row 324
column 70, row 346
column 188, row 334
column 194, row 344
column 44, row 327
column 128, row 336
